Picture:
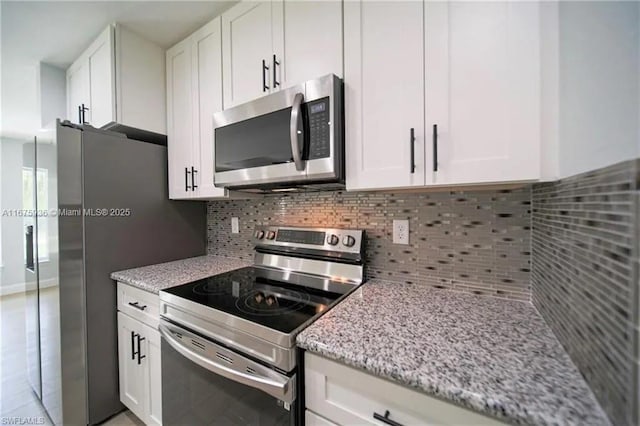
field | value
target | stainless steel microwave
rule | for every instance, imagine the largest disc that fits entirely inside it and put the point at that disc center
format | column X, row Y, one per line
column 293, row 138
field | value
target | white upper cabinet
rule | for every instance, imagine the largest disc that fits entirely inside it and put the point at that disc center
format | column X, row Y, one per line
column 102, row 85
column 207, row 100
column 118, row 79
column 384, row 94
column 272, row 45
column 179, row 120
column 471, row 69
column 307, row 41
column 247, row 52
column 78, row 93
column 483, row 90
column 194, row 94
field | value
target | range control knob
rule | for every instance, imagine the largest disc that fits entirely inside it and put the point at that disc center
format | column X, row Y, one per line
column 333, row 239
column 271, row 235
column 348, row 241
column 259, row 235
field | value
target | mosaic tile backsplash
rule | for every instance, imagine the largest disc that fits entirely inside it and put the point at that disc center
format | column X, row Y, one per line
column 475, row 241
column 585, row 278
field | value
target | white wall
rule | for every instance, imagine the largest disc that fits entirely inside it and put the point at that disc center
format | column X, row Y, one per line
column 12, row 272
column 599, row 84
column 52, row 84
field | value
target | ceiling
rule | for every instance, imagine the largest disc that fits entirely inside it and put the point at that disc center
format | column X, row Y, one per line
column 56, row 32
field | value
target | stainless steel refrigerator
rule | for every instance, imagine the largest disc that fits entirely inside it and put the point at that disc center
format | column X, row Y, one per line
column 101, row 204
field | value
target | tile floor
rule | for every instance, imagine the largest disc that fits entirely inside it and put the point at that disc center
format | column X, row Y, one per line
column 16, row 397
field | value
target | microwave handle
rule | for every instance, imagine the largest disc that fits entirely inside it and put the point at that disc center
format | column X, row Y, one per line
column 295, row 131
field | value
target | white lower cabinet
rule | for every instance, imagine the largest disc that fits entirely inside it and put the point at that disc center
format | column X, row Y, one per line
column 139, row 363
column 337, row 394
column 312, row 419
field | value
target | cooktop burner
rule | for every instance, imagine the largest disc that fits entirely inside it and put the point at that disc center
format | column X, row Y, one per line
column 245, row 294
column 265, row 302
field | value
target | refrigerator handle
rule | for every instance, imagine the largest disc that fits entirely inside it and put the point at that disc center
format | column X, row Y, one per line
column 30, row 248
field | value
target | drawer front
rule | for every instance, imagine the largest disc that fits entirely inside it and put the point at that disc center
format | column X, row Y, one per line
column 347, row 396
column 312, row 419
column 139, row 304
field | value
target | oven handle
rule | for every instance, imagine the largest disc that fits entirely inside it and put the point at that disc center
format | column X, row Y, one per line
column 294, row 131
column 283, row 389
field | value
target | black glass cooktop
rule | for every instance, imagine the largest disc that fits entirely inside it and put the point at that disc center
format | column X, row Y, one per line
column 243, row 293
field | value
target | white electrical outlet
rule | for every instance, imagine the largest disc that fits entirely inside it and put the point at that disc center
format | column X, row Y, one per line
column 235, row 225
column 401, row 231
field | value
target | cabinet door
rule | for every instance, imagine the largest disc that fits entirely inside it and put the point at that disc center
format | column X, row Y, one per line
column 132, row 383
column 384, row 94
column 153, row 375
column 77, row 89
column 307, row 41
column 206, row 48
column 483, row 90
column 102, row 80
column 247, row 42
column 179, row 120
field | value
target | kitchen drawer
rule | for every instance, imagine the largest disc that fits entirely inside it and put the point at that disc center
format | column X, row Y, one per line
column 346, row 396
column 312, row 419
column 139, row 304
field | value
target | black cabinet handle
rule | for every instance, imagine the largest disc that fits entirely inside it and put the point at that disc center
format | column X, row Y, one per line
column 82, row 119
column 79, row 114
column 193, row 179
column 140, row 357
column 137, row 306
column 265, row 69
column 186, row 179
column 435, row 147
column 133, row 345
column 385, row 418
column 275, row 78
column 413, row 150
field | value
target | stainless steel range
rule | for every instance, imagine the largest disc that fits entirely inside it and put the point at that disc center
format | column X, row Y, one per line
column 228, row 341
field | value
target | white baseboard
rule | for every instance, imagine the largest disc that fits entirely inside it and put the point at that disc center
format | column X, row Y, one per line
column 9, row 289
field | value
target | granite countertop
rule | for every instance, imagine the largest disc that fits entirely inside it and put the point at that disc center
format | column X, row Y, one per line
column 154, row 278
column 493, row 356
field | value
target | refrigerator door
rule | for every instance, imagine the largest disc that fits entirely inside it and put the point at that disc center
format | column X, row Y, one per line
column 130, row 222
column 71, row 275
column 49, row 295
column 32, row 314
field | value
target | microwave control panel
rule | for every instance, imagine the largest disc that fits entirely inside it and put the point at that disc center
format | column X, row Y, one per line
column 319, row 129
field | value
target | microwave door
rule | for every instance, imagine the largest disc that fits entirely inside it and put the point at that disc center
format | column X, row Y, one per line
column 258, row 150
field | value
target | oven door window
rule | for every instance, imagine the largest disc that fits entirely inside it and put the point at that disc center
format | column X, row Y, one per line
column 261, row 141
column 193, row 395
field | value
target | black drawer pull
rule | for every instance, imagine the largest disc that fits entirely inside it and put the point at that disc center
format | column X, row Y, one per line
column 385, row 418
column 137, row 306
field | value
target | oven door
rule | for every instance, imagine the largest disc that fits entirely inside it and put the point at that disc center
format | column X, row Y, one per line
column 291, row 136
column 205, row 383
